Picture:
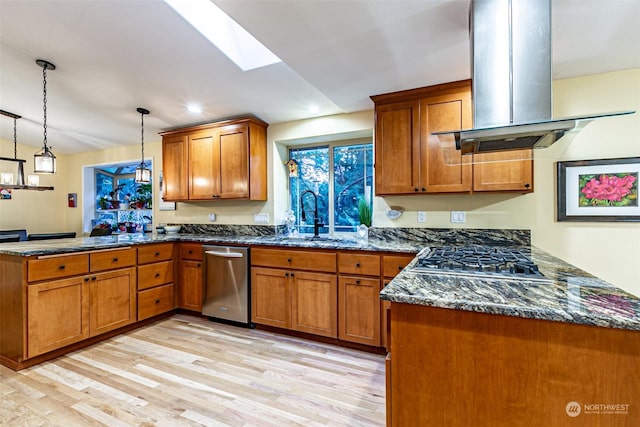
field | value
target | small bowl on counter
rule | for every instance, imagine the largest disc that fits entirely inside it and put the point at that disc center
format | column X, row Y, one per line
column 172, row 229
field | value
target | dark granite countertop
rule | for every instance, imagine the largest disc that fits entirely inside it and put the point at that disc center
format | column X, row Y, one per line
column 570, row 295
column 80, row 244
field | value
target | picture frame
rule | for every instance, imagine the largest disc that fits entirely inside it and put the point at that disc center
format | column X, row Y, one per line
column 598, row 190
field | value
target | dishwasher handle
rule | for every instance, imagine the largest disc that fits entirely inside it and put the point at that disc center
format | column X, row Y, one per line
column 225, row 254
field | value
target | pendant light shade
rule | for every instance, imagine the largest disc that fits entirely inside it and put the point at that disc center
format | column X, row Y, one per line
column 44, row 161
column 143, row 174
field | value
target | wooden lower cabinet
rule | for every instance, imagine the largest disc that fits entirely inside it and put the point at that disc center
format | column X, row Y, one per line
column 359, row 310
column 190, row 286
column 314, row 300
column 154, row 301
column 270, row 297
column 58, row 314
column 66, row 311
column 112, row 300
column 297, row 300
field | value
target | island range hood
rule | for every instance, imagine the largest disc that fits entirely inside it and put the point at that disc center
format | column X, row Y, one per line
column 511, row 79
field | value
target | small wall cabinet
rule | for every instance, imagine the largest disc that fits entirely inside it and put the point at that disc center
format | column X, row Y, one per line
column 224, row 160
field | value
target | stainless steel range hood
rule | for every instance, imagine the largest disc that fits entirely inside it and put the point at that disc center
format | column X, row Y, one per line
column 511, row 78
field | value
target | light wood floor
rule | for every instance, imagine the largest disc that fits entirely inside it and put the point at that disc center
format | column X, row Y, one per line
column 187, row 371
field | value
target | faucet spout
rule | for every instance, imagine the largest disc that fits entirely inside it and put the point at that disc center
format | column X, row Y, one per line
column 316, row 222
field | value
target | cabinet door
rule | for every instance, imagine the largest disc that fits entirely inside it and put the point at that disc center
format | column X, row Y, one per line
column 190, row 287
column 271, row 297
column 503, row 171
column 113, row 300
column 359, row 310
column 442, row 168
column 204, row 166
column 397, row 151
column 314, row 303
column 175, row 167
column 233, row 145
column 58, row 314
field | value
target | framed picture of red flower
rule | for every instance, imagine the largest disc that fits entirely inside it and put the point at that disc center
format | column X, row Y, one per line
column 598, row 190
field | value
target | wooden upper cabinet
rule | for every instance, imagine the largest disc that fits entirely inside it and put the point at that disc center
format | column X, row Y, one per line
column 503, row 171
column 409, row 159
column 443, row 169
column 175, row 167
column 397, row 162
column 225, row 160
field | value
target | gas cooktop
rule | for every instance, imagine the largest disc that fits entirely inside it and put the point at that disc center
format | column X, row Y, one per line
column 494, row 262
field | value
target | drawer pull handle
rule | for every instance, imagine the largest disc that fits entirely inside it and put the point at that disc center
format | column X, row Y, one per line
column 358, row 264
column 157, row 274
column 157, row 301
column 357, row 282
column 198, row 265
column 61, row 266
column 289, row 260
column 157, row 254
column 400, row 268
column 115, row 259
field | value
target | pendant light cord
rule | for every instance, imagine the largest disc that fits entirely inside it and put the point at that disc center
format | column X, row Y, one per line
column 142, row 135
column 15, row 138
column 44, row 103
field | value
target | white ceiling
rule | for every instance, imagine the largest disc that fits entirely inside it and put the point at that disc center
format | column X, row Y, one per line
column 113, row 56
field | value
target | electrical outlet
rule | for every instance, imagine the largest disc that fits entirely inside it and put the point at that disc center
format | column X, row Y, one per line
column 458, row 217
column 212, row 217
column 261, row 218
column 422, row 216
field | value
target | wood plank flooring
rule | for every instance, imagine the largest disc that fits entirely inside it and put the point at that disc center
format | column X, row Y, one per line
column 188, row 371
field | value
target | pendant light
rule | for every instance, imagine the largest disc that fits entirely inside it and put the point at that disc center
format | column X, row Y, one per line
column 44, row 161
column 143, row 174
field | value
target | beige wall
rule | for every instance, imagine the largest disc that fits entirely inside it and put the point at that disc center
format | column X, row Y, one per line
column 607, row 250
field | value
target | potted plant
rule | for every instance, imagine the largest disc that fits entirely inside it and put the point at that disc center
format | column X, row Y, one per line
column 144, row 196
column 364, row 215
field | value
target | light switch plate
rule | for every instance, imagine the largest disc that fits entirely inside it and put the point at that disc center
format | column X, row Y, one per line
column 261, row 218
column 212, row 217
column 422, row 216
column 458, row 217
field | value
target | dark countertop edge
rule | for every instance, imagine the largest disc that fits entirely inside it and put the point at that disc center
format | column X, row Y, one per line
column 515, row 311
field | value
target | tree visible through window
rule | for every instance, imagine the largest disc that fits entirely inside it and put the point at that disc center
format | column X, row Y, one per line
column 340, row 176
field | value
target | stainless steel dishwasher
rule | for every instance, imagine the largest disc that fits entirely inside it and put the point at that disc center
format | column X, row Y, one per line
column 226, row 284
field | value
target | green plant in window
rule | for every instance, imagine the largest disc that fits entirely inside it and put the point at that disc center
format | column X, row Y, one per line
column 364, row 212
column 144, row 195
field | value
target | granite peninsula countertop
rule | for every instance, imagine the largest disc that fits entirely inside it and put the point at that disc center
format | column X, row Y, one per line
column 569, row 295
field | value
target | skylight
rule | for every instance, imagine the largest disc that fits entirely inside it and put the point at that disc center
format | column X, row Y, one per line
column 225, row 33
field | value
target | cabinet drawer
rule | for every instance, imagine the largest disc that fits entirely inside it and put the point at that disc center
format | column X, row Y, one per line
column 151, row 275
column 300, row 260
column 191, row 251
column 155, row 301
column 154, row 253
column 393, row 264
column 368, row 265
column 110, row 260
column 55, row 267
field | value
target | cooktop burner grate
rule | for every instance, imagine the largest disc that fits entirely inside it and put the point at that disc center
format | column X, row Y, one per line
column 495, row 262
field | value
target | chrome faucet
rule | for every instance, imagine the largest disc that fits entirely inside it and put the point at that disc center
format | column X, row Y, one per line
column 316, row 223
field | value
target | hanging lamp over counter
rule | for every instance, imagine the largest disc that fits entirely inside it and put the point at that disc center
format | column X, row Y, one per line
column 143, row 174
column 44, row 161
column 19, row 185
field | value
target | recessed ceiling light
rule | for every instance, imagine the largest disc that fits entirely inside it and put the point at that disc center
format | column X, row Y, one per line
column 194, row 108
column 314, row 109
column 225, row 33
